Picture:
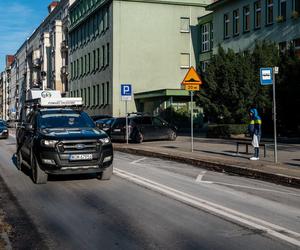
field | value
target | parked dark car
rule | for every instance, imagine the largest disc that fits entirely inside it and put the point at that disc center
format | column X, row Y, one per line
column 98, row 117
column 105, row 124
column 3, row 129
column 142, row 128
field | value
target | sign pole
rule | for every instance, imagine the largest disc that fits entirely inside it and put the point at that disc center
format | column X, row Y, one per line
column 192, row 123
column 274, row 118
column 126, row 121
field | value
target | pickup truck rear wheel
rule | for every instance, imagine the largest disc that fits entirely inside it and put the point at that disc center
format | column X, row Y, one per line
column 38, row 175
column 106, row 174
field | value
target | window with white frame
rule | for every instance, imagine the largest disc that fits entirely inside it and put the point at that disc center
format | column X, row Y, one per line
column 184, row 24
column 270, row 11
column 205, row 35
column 226, row 25
column 236, row 22
column 282, row 9
column 246, row 21
column 184, row 60
column 257, row 14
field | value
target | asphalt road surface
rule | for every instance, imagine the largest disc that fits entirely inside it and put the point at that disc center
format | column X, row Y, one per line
column 153, row 204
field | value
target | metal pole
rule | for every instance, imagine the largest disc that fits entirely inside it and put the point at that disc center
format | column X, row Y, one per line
column 274, row 118
column 126, row 121
column 192, row 123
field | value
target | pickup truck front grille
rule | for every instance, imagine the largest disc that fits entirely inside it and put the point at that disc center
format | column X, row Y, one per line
column 78, row 146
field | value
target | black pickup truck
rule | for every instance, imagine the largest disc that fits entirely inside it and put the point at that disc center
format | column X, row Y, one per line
column 62, row 141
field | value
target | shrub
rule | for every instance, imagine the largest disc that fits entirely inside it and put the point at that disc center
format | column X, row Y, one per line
column 226, row 130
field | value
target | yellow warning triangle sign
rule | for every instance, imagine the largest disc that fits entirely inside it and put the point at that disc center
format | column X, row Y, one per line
column 192, row 77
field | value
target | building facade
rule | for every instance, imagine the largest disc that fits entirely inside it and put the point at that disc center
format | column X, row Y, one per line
column 148, row 44
column 238, row 25
column 46, row 50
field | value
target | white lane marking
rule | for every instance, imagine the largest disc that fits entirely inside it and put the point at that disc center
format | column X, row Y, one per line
column 247, row 187
column 139, row 160
column 248, row 220
column 200, row 176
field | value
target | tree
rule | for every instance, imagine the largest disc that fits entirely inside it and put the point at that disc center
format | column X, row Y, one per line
column 231, row 83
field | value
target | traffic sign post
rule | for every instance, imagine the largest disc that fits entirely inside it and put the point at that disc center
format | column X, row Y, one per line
column 192, row 82
column 267, row 77
column 126, row 95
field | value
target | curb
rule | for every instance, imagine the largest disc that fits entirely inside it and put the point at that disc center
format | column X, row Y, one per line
column 219, row 167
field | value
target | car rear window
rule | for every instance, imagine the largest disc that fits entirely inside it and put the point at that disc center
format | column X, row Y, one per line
column 120, row 122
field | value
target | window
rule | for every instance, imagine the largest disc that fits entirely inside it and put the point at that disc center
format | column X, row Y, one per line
column 72, row 72
column 107, row 54
column 94, row 95
column 103, row 56
column 89, row 63
column 89, row 96
column 184, row 24
column 103, row 94
column 101, row 24
column 257, row 14
column 184, row 60
column 282, row 10
column 246, row 21
column 77, row 64
column 85, row 64
column 81, row 64
column 84, row 96
column 236, row 22
column 204, row 65
column 105, row 19
column 98, row 94
column 107, row 93
column 98, row 58
column 270, row 14
column 205, row 37
column 226, row 25
column 296, row 6
column 94, row 60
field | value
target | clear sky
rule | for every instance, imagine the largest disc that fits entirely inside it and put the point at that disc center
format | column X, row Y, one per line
column 18, row 19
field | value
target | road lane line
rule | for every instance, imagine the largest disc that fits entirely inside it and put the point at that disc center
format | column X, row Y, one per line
column 250, row 221
column 200, row 176
column 139, row 160
column 254, row 188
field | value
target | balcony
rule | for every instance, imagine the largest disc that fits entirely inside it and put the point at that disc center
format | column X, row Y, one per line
column 64, row 46
column 36, row 63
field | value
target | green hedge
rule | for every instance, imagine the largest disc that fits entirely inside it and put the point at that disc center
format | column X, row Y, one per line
column 226, row 130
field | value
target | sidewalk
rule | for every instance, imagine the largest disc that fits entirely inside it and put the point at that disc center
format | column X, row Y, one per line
column 220, row 155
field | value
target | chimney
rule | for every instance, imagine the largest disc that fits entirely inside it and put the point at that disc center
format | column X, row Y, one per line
column 9, row 60
column 52, row 6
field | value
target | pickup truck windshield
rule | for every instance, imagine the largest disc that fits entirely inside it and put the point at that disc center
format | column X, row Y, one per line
column 64, row 119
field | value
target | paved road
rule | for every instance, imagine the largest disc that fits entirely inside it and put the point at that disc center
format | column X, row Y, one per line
column 156, row 204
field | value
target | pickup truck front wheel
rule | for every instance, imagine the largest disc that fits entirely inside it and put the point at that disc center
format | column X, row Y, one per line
column 38, row 175
column 106, row 174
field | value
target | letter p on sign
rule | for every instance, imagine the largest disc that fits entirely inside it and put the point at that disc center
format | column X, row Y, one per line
column 126, row 92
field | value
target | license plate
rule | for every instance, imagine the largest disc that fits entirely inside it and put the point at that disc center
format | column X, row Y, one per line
column 81, row 157
column 117, row 130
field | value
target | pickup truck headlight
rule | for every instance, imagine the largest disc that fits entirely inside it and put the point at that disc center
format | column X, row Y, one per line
column 105, row 141
column 5, row 130
column 48, row 143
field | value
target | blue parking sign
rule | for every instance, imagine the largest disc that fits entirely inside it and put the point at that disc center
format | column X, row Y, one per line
column 126, row 92
column 266, row 76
